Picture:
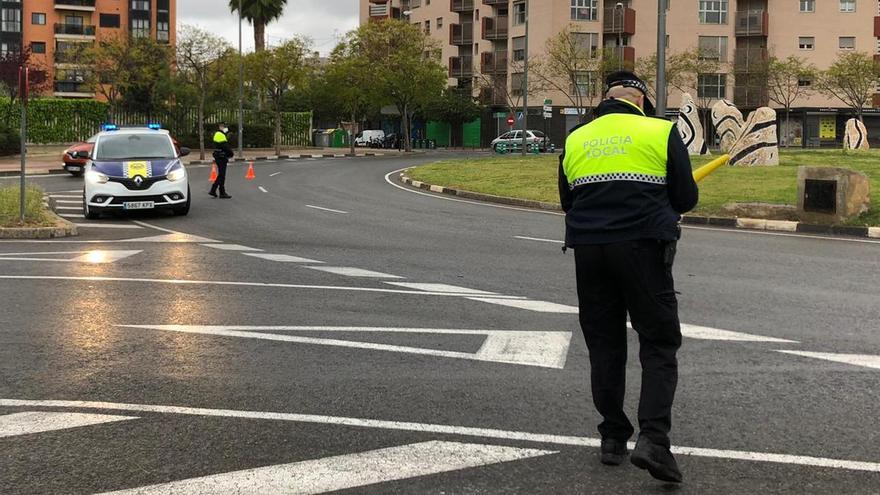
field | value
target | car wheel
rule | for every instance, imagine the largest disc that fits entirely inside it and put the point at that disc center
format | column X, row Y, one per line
column 76, row 174
column 184, row 210
column 88, row 212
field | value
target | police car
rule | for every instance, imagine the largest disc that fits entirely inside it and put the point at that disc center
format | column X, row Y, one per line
column 136, row 168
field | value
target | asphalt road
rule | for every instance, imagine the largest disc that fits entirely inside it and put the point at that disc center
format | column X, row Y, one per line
column 328, row 330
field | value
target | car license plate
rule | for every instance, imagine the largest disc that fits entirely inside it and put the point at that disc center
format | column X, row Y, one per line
column 74, row 169
column 138, row 205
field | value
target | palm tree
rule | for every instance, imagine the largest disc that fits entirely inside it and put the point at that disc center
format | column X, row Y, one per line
column 259, row 13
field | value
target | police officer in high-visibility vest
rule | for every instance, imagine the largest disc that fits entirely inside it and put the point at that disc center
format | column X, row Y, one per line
column 624, row 180
column 222, row 153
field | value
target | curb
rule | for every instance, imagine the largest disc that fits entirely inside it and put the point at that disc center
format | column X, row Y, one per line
column 736, row 223
column 62, row 228
column 16, row 173
column 274, row 158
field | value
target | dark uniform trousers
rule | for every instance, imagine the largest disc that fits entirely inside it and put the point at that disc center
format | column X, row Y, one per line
column 222, row 163
column 633, row 277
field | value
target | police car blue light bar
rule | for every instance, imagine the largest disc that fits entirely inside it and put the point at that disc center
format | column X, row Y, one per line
column 155, row 127
column 109, row 127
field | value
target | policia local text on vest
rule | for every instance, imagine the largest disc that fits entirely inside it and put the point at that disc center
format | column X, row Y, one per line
column 624, row 181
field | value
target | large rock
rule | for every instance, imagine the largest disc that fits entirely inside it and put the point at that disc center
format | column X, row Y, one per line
column 831, row 195
column 690, row 127
column 758, row 145
column 728, row 123
column 766, row 211
column 856, row 137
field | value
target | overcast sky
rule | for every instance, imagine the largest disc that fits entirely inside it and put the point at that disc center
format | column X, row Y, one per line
column 320, row 20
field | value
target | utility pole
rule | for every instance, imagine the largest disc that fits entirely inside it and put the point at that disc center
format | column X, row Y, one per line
column 525, row 87
column 661, row 58
column 23, row 83
column 240, row 89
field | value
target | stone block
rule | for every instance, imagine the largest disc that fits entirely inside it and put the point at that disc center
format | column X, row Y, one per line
column 766, row 211
column 830, row 195
column 690, row 127
column 758, row 145
column 856, row 137
column 728, row 123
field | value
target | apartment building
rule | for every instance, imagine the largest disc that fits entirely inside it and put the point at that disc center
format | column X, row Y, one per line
column 50, row 28
column 486, row 39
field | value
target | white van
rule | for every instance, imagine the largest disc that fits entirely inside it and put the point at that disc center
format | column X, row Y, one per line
column 365, row 137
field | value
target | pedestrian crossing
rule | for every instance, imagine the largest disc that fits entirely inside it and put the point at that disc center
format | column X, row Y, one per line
column 69, row 206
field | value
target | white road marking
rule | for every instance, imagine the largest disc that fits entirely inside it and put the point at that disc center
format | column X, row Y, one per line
column 74, row 208
column 231, row 247
column 70, row 215
column 108, row 226
column 26, row 423
column 100, row 256
column 327, row 209
column 781, row 234
column 175, row 232
column 348, row 271
column 273, row 175
column 234, row 284
column 540, row 438
column 539, row 306
column 708, row 333
column 67, row 196
column 526, row 348
column 261, row 188
column 452, row 289
column 68, row 201
column 347, row 471
column 284, row 258
column 537, row 239
column 168, row 238
column 865, row 360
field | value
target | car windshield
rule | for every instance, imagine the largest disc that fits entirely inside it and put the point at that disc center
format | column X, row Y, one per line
column 134, row 146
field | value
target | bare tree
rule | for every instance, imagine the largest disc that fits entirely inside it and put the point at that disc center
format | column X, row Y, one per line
column 784, row 84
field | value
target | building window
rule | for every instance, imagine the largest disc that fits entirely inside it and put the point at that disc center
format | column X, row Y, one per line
column 38, row 18
column 847, row 42
column 713, row 48
column 805, row 83
column 109, row 20
column 38, row 47
column 427, row 27
column 847, row 5
column 439, row 22
column 712, row 86
column 9, row 47
column 10, row 20
column 516, row 84
column 808, row 5
column 585, row 84
column 162, row 30
column 519, row 13
column 584, row 10
column 806, row 42
column 519, row 49
column 587, row 41
column 140, row 28
column 140, row 4
column 713, row 11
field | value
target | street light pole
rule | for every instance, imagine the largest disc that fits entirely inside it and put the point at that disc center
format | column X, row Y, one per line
column 661, row 58
column 240, row 89
column 525, row 85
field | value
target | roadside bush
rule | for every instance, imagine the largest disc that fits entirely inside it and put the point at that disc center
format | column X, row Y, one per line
column 35, row 213
column 10, row 141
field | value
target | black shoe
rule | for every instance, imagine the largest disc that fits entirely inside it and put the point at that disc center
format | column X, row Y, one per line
column 225, row 196
column 656, row 459
column 613, row 452
column 212, row 193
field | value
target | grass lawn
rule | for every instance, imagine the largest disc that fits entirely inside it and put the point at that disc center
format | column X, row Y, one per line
column 36, row 215
column 534, row 177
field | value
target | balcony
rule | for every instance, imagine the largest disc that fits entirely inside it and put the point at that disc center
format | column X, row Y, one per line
column 461, row 67
column 461, row 5
column 77, row 30
column 626, row 54
column 495, row 2
column 494, row 97
column 82, row 5
column 619, row 21
column 461, row 34
column 493, row 62
column 746, row 97
column 496, row 28
column 750, row 59
column 752, row 23
column 877, row 26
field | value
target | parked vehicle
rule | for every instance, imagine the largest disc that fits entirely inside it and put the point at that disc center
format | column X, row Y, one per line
column 71, row 162
column 368, row 137
column 513, row 140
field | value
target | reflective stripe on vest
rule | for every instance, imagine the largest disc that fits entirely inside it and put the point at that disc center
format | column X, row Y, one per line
column 219, row 137
column 618, row 147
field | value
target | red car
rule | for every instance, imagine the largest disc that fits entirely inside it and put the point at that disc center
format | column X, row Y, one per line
column 76, row 166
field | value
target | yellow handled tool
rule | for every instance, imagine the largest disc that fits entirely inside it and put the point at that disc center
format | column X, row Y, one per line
column 704, row 171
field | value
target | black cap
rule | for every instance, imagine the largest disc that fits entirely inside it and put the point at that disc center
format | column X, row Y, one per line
column 628, row 79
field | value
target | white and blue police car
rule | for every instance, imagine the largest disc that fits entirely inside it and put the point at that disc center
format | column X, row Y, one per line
column 135, row 168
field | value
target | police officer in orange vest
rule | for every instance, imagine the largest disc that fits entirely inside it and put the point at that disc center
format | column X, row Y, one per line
column 624, row 180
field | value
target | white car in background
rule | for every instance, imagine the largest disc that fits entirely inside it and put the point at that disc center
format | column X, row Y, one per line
column 513, row 140
column 134, row 169
column 366, row 137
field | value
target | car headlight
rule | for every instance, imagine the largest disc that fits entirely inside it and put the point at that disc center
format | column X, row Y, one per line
column 96, row 177
column 176, row 174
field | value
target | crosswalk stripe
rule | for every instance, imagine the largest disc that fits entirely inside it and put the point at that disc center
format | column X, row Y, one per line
column 347, row 471
column 71, row 215
column 352, row 272
column 26, row 423
column 864, row 360
column 66, row 196
column 74, row 208
column 108, row 226
column 68, row 202
column 283, row 258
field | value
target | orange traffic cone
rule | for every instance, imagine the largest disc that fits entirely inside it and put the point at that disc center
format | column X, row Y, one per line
column 250, row 173
column 213, row 177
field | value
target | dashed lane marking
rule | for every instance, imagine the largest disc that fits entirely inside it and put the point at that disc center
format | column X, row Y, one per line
column 348, row 271
column 327, row 209
column 538, row 306
column 283, row 258
column 91, row 257
column 525, row 348
column 108, row 226
column 273, row 175
column 453, row 289
column 708, row 333
column 347, row 471
column 495, row 434
column 261, row 188
column 537, row 239
column 231, row 247
column 27, row 423
column 864, row 360
column 168, row 238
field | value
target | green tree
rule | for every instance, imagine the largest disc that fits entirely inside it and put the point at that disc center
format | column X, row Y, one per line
column 851, row 79
column 199, row 54
column 405, row 67
column 259, row 13
column 784, row 87
column 455, row 107
column 279, row 70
